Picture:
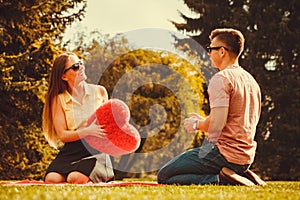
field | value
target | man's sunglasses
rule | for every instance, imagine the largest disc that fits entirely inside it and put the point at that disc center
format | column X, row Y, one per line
column 209, row 49
column 75, row 66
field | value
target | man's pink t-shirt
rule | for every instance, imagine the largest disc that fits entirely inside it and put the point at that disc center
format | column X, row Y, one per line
column 236, row 89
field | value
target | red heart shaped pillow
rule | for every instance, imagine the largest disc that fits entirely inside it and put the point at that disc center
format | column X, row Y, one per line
column 122, row 138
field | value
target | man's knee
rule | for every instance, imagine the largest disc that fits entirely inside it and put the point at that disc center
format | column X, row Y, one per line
column 161, row 177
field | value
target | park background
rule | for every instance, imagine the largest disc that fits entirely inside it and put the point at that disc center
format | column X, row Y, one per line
column 33, row 33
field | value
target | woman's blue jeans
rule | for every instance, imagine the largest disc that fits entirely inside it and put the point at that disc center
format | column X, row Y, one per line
column 198, row 166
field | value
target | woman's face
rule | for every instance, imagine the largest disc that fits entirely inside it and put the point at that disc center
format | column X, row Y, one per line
column 74, row 70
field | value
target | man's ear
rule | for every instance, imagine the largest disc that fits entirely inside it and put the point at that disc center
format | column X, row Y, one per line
column 223, row 51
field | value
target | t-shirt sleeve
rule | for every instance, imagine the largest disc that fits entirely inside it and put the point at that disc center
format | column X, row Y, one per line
column 219, row 91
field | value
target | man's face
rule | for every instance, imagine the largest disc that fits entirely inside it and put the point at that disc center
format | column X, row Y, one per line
column 216, row 48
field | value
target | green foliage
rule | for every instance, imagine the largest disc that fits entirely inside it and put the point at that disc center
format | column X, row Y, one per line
column 272, row 56
column 273, row 190
column 30, row 32
column 25, row 153
column 100, row 53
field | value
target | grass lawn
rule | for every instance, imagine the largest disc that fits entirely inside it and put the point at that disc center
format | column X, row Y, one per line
column 273, row 190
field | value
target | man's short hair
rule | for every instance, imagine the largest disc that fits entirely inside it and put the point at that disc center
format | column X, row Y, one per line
column 232, row 38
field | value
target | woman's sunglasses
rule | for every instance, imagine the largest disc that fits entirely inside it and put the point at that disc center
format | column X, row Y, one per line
column 75, row 66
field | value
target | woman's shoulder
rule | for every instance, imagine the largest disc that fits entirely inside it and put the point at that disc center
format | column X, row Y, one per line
column 97, row 88
column 64, row 96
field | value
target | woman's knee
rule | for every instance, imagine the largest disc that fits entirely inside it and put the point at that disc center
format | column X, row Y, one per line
column 55, row 177
column 77, row 178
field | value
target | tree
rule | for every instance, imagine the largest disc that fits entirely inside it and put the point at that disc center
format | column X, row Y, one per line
column 272, row 56
column 31, row 33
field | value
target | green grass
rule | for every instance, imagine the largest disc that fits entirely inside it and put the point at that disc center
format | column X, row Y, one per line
column 273, row 190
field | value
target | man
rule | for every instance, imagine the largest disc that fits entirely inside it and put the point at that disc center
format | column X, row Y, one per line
column 235, row 101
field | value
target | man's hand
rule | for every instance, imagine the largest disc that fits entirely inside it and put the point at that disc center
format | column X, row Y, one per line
column 202, row 123
column 189, row 124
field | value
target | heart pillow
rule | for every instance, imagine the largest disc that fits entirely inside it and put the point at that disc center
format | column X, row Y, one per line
column 122, row 138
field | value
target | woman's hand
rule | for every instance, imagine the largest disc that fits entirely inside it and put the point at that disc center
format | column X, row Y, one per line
column 93, row 130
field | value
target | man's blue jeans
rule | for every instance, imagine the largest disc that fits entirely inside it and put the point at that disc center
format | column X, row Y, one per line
column 198, row 166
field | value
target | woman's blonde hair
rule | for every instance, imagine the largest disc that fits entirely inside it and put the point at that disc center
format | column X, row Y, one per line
column 56, row 87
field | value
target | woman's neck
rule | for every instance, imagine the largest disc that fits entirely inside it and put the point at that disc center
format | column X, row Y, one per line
column 77, row 91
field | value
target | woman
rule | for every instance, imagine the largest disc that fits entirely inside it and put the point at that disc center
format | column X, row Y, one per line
column 70, row 101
